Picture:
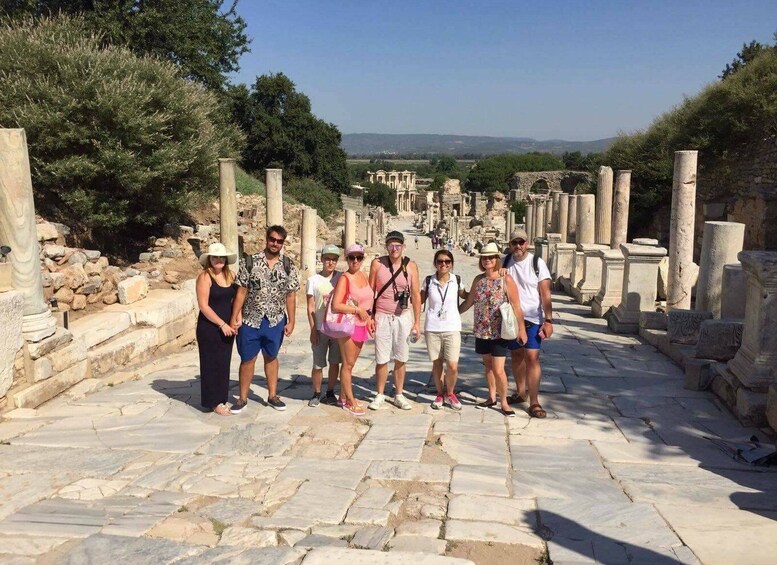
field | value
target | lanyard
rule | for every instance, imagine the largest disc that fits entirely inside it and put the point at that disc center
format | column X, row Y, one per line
column 443, row 296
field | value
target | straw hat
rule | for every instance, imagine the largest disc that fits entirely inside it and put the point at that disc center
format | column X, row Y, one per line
column 217, row 250
column 489, row 250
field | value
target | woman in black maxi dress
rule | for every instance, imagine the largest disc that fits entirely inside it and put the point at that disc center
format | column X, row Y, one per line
column 215, row 293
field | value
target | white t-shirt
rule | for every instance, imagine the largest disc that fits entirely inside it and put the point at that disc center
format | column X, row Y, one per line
column 319, row 288
column 442, row 317
column 527, row 280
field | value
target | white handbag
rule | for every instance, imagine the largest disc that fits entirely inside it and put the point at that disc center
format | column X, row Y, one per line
column 509, row 328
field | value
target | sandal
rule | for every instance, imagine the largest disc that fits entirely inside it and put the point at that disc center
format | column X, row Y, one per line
column 222, row 410
column 536, row 411
column 516, row 398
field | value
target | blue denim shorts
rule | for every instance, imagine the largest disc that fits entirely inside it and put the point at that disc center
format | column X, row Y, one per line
column 533, row 339
column 250, row 340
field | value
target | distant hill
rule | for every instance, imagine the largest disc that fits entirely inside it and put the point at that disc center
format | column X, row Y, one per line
column 402, row 144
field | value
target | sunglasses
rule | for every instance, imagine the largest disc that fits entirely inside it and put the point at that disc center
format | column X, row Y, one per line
column 355, row 257
column 219, row 259
column 444, row 261
column 272, row 239
column 490, row 258
column 394, row 246
column 518, row 242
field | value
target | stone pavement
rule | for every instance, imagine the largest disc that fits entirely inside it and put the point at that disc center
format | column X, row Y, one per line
column 619, row 472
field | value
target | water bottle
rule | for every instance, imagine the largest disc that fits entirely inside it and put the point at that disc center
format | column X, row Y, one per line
column 413, row 337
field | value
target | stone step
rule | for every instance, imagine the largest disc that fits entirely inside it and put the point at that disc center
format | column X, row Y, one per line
column 132, row 347
column 100, row 327
column 37, row 394
column 160, row 307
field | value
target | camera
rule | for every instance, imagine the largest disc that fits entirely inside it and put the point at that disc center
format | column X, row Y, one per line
column 402, row 298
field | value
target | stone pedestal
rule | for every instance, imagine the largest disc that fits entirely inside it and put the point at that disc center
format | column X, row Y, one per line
column 541, row 248
column 553, row 240
column 563, row 216
column 586, row 220
column 17, row 230
column 274, row 187
column 349, row 234
column 589, row 285
column 578, row 266
column 720, row 245
column 530, row 222
column 755, row 364
column 308, row 247
column 639, row 286
column 733, row 295
column 572, row 219
column 228, row 205
column 604, row 206
column 11, row 308
column 645, row 241
column 719, row 339
column 684, row 326
column 681, row 231
column 620, row 209
column 565, row 253
column 609, row 294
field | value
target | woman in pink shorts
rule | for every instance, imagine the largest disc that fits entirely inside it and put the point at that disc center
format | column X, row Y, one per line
column 353, row 295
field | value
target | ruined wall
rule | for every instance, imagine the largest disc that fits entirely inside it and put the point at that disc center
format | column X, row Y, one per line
column 564, row 181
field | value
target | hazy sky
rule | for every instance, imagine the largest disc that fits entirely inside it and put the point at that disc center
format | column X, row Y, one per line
column 576, row 70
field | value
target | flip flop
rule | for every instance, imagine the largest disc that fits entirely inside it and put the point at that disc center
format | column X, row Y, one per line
column 536, row 411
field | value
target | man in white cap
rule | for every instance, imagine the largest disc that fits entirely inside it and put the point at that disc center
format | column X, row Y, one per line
column 532, row 276
column 325, row 349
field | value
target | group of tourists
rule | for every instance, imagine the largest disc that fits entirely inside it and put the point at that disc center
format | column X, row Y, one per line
column 439, row 242
column 256, row 307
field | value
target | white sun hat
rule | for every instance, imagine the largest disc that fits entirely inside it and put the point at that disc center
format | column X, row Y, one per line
column 217, row 250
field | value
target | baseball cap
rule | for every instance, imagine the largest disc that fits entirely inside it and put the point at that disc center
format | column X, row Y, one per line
column 354, row 249
column 395, row 236
column 330, row 249
column 519, row 233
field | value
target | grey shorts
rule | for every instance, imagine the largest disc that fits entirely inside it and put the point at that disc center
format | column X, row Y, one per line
column 443, row 345
column 326, row 350
column 391, row 333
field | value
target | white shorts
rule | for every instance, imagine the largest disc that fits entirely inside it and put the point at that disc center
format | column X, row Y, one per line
column 443, row 345
column 391, row 333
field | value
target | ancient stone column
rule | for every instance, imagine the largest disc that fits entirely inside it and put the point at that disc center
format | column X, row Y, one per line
column 563, row 216
column 572, row 218
column 309, row 231
column 609, row 294
column 620, row 209
column 350, row 228
column 274, row 188
column 17, row 231
column 370, row 232
column 721, row 243
column 539, row 221
column 509, row 223
column 604, row 206
column 755, row 364
column 548, row 214
column 586, row 221
column 640, row 276
column 554, row 223
column 681, row 231
column 530, row 223
column 228, row 204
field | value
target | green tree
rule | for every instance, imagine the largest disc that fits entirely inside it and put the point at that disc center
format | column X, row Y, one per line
column 749, row 52
column 281, row 131
column 204, row 38
column 446, row 165
column 119, row 144
column 314, row 194
column 379, row 194
column 494, row 173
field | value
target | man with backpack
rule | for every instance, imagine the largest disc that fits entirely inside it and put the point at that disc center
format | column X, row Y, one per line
column 532, row 276
column 394, row 280
column 263, row 313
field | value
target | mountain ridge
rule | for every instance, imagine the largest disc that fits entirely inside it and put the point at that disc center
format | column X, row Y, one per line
column 400, row 143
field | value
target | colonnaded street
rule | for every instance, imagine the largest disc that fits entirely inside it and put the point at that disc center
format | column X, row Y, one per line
column 621, row 471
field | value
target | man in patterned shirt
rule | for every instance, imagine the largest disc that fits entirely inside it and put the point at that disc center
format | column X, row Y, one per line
column 263, row 310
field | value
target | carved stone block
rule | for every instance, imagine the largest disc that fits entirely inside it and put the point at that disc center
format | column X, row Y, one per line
column 684, row 325
column 652, row 321
column 719, row 339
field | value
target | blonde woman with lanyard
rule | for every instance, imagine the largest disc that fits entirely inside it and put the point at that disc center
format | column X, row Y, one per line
column 442, row 327
column 489, row 291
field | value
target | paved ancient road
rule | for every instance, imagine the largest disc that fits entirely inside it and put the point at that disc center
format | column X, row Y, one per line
column 620, row 471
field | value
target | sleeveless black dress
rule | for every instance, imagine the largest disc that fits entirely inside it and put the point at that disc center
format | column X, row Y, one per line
column 215, row 348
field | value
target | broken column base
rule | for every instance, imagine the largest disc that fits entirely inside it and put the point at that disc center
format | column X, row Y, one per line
column 598, row 309
column 747, row 405
column 583, row 296
column 623, row 321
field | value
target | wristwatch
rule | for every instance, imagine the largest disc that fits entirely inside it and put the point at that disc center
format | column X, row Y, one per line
column 548, row 320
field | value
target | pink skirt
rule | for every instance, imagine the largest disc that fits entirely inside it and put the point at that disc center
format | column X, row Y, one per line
column 360, row 334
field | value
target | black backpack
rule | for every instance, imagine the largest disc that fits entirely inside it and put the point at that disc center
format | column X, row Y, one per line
column 535, row 264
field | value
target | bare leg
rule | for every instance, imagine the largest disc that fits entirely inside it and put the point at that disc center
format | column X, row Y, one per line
column 451, row 375
column 399, row 377
column 381, row 376
column 334, row 373
column 489, row 378
column 437, row 375
column 533, row 374
column 500, row 377
column 271, row 374
column 349, row 351
column 317, row 376
column 246, row 375
column 518, row 365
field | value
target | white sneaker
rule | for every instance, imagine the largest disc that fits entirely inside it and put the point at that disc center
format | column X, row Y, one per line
column 377, row 404
column 401, row 402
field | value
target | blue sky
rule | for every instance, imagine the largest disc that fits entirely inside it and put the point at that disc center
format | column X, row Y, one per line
column 572, row 70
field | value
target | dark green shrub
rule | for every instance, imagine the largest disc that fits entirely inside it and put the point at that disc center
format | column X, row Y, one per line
column 119, row 144
column 314, row 194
